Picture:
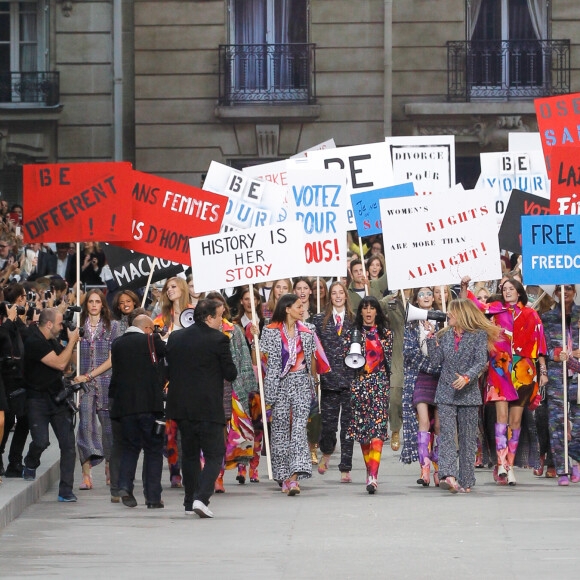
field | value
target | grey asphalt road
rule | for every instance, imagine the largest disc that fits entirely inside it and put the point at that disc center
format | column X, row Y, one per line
column 331, row 530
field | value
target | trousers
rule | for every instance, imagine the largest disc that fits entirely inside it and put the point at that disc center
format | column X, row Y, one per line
column 335, row 404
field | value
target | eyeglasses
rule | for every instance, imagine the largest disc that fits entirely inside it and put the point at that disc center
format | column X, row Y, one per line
column 425, row 294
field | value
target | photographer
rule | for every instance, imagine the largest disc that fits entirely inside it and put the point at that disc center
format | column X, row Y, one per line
column 137, row 391
column 45, row 361
column 13, row 332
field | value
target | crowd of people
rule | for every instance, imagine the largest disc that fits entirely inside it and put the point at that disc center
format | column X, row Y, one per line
column 474, row 381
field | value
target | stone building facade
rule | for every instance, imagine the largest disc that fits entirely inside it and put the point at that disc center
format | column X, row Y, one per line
column 171, row 85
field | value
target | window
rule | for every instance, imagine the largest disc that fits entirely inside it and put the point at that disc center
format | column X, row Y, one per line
column 23, row 52
column 507, row 46
column 268, row 58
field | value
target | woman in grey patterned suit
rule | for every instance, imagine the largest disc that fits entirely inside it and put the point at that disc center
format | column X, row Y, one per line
column 462, row 350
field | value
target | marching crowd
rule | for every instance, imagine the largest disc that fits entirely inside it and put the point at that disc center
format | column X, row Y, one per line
column 474, row 377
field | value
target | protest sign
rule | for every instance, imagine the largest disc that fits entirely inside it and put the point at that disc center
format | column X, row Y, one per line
column 429, row 162
column 365, row 167
column 367, row 213
column 551, row 249
column 167, row 213
column 320, row 205
column 503, row 172
column 130, row 270
column 436, row 240
column 276, row 174
column 565, row 196
column 247, row 256
column 252, row 202
column 520, row 203
column 558, row 122
column 72, row 202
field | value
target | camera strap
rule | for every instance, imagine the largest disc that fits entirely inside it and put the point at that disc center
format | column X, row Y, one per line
column 152, row 352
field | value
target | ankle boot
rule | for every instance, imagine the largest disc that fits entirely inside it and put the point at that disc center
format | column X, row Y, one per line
column 435, row 458
column 423, row 438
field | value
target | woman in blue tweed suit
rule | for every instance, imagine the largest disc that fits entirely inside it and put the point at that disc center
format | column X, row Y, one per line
column 462, row 351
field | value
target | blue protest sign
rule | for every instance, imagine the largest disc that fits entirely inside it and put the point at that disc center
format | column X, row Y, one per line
column 367, row 212
column 551, row 249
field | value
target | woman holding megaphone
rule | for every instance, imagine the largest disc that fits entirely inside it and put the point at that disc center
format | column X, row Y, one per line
column 420, row 419
column 369, row 346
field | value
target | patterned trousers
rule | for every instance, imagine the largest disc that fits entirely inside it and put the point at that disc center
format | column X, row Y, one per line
column 290, row 453
column 332, row 405
column 556, row 423
column 94, row 443
column 463, row 421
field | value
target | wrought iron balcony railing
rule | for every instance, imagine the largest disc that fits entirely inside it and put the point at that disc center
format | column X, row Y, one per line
column 267, row 73
column 39, row 88
column 507, row 70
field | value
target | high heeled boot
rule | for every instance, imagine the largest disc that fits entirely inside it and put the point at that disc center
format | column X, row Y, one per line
column 500, row 471
column 423, row 438
column 435, row 458
column 514, row 439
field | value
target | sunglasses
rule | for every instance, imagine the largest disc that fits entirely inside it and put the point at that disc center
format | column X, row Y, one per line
column 425, row 294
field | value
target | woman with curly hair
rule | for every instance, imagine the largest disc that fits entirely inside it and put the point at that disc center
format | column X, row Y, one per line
column 370, row 386
column 99, row 332
column 124, row 303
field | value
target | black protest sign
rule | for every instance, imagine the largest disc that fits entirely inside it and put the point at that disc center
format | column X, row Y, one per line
column 131, row 269
column 520, row 203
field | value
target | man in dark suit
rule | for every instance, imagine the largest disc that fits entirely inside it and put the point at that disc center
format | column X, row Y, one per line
column 199, row 361
column 137, row 393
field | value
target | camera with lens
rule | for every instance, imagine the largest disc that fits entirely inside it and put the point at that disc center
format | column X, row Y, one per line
column 4, row 306
column 160, row 329
column 65, row 395
column 9, row 365
column 30, row 296
column 68, row 324
column 47, row 295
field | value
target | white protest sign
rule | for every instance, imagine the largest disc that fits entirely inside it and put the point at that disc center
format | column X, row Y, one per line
column 429, row 162
column 235, row 258
column 503, row 172
column 436, row 240
column 524, row 141
column 252, row 202
column 366, row 167
column 320, row 204
column 275, row 173
column 330, row 144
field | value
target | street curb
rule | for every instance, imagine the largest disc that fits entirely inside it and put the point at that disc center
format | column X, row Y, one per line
column 16, row 494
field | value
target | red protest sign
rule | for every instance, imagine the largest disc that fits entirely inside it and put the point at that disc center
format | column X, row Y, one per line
column 565, row 191
column 167, row 213
column 77, row 201
column 559, row 123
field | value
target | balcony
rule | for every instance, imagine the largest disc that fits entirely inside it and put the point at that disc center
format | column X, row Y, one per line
column 267, row 74
column 37, row 89
column 507, row 70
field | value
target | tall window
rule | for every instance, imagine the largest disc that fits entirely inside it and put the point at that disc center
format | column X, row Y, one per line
column 506, row 47
column 270, row 56
column 19, row 37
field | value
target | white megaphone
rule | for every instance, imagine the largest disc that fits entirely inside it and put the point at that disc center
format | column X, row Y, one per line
column 186, row 318
column 414, row 313
column 354, row 359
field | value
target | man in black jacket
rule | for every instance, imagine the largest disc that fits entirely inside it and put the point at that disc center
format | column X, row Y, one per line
column 137, row 391
column 199, row 361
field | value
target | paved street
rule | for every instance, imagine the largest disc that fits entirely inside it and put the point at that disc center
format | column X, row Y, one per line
column 331, row 530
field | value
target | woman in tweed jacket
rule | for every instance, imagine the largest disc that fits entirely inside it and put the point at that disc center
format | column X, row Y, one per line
column 335, row 395
column 462, row 351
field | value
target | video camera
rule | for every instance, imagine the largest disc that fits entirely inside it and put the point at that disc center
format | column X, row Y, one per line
column 65, row 395
column 68, row 324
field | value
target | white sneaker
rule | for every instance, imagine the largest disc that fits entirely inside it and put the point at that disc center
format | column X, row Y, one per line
column 201, row 509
